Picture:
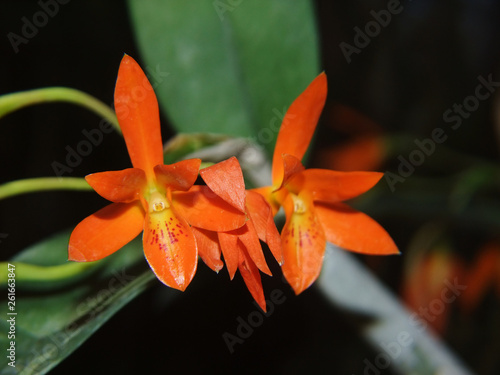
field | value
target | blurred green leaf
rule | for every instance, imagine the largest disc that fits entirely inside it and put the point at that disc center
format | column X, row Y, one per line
column 227, row 66
column 53, row 322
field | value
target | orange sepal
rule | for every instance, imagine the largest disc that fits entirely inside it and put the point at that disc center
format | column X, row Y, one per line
column 304, row 243
column 105, row 231
column 250, row 240
column 292, row 166
column 118, row 186
column 226, row 180
column 208, row 248
column 481, row 277
column 230, row 246
column 332, row 186
column 170, row 248
column 262, row 216
column 202, row 208
column 353, row 230
column 137, row 112
column 251, row 277
column 178, row 176
column 299, row 124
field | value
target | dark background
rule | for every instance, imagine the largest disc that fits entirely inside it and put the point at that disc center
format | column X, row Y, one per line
column 426, row 59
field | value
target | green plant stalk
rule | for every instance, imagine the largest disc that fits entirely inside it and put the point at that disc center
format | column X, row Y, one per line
column 40, row 276
column 15, row 101
column 32, row 185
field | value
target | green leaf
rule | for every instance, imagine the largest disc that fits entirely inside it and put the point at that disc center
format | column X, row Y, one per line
column 226, row 66
column 55, row 318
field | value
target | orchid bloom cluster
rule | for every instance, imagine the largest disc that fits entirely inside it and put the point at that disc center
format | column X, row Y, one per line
column 182, row 220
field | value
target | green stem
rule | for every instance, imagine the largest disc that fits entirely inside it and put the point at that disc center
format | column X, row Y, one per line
column 43, row 276
column 12, row 102
column 31, row 185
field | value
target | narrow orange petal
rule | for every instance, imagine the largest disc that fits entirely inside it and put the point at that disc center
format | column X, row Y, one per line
column 118, row 186
column 353, row 230
column 170, row 248
column 230, row 246
column 304, row 243
column 333, row 186
column 299, row 124
column 226, row 180
column 178, row 176
column 105, row 231
column 248, row 236
column 251, row 277
column 137, row 111
column 292, row 166
column 262, row 216
column 208, row 248
column 202, row 208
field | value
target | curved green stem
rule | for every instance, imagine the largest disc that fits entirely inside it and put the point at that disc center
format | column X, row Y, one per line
column 31, row 185
column 12, row 102
column 44, row 276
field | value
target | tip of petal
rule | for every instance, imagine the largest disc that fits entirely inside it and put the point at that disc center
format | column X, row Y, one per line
column 75, row 255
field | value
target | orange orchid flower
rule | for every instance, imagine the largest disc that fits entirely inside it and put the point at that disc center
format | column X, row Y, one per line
column 240, row 247
column 312, row 198
column 151, row 197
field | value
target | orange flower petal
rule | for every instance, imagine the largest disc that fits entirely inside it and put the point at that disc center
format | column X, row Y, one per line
column 226, row 180
column 178, row 176
column 230, row 246
column 267, row 193
column 292, row 166
column 299, row 124
column 262, row 217
column 202, row 208
column 251, row 276
column 248, row 236
column 333, row 186
column 481, row 276
column 304, row 243
column 137, row 111
column 105, row 231
column 208, row 248
column 353, row 230
column 170, row 248
column 118, row 186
